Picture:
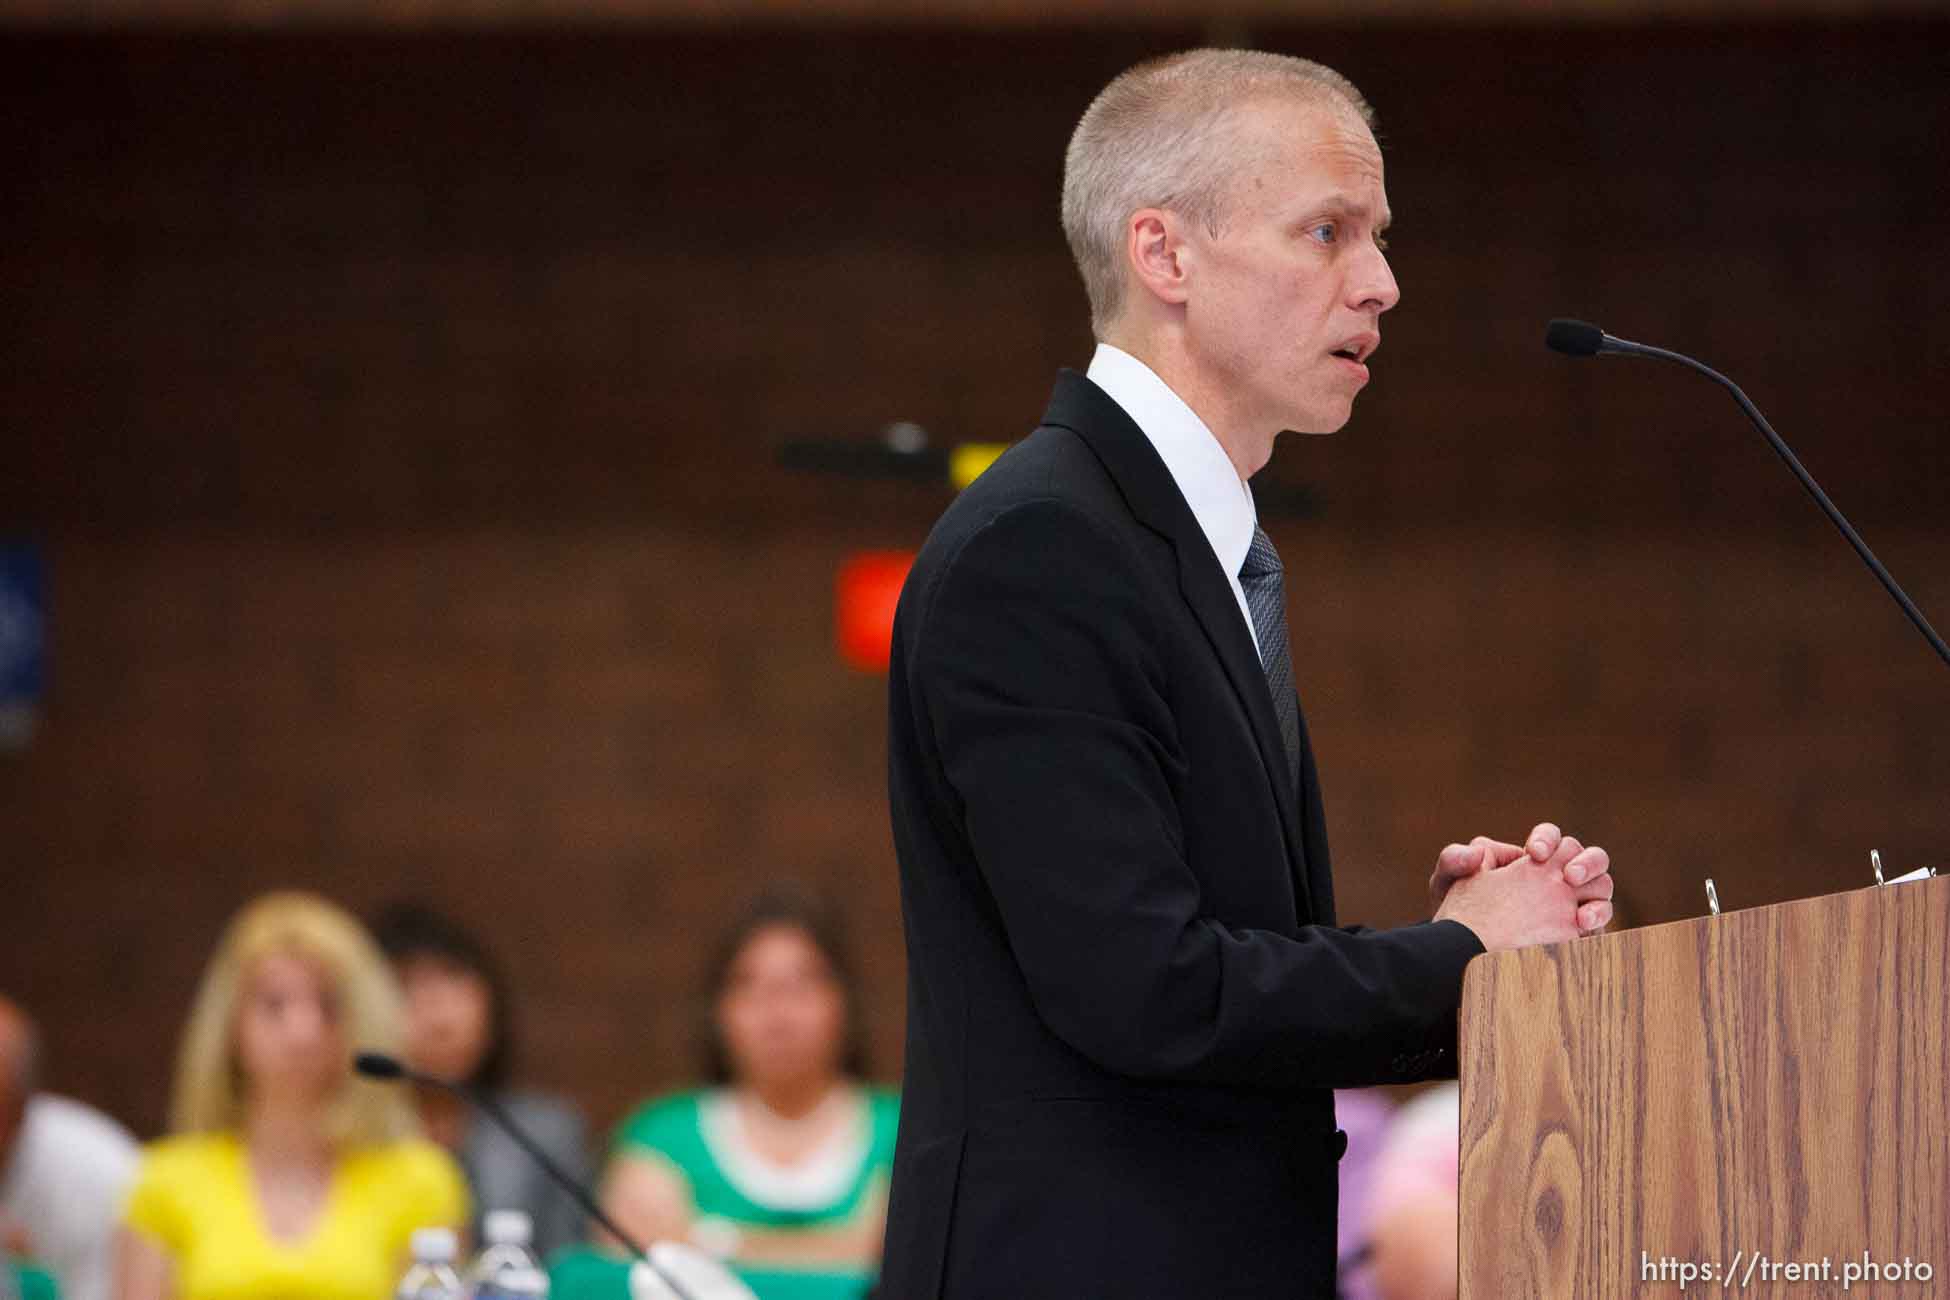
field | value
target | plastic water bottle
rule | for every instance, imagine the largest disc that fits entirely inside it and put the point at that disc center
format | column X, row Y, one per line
column 500, row 1270
column 432, row 1275
column 522, row 1284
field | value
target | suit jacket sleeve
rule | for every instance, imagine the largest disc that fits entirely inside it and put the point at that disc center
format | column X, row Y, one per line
column 1036, row 659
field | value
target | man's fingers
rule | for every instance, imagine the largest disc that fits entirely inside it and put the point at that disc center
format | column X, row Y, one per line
column 1452, row 864
column 1588, row 865
column 1457, row 861
column 1568, row 849
column 1481, row 852
column 1500, row 854
column 1596, row 889
column 1594, row 916
column 1543, row 841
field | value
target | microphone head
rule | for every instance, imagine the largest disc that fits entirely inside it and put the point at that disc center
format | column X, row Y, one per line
column 1574, row 338
column 378, row 1065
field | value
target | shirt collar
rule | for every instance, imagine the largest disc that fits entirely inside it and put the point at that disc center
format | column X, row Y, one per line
column 1220, row 500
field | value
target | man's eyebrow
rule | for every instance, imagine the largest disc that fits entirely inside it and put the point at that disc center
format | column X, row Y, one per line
column 1339, row 205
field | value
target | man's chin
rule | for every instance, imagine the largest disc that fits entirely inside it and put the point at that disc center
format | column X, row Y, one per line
column 1320, row 428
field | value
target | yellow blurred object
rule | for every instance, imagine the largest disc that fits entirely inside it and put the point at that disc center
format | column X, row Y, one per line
column 966, row 462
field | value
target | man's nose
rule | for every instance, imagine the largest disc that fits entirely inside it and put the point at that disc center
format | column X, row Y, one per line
column 1373, row 287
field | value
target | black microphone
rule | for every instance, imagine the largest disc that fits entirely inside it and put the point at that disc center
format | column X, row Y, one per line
column 387, row 1069
column 1575, row 338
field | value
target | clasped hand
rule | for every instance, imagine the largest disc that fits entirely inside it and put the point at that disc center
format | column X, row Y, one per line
column 1549, row 889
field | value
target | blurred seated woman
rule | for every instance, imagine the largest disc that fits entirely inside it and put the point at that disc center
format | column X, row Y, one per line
column 458, row 1027
column 1413, row 1202
column 781, row 1166
column 286, row 1175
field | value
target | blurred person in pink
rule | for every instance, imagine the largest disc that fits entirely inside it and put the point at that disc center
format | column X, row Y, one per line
column 1411, row 1248
column 1362, row 1114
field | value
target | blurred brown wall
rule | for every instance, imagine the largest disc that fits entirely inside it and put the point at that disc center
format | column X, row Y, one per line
column 400, row 411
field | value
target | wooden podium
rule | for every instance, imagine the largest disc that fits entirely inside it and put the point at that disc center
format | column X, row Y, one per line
column 1755, row 1093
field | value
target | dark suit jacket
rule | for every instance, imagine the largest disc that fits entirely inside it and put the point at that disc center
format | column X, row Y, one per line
column 1126, row 1002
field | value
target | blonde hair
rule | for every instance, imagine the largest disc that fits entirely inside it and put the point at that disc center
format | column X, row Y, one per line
column 1160, row 136
column 209, row 1094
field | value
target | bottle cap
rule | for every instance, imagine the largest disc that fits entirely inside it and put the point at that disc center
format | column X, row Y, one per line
column 507, row 1228
column 435, row 1245
column 524, row 1282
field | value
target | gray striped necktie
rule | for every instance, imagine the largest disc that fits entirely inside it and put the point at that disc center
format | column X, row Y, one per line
column 1264, row 580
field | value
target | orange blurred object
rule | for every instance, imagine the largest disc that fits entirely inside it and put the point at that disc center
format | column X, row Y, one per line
column 868, row 588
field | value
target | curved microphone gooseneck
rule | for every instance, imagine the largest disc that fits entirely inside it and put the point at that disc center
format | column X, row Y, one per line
column 1575, row 338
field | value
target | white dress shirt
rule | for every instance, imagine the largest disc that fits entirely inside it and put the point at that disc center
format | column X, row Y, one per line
column 64, row 1183
column 1219, row 498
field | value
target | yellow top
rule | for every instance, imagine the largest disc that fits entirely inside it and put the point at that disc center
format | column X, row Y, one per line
column 193, row 1197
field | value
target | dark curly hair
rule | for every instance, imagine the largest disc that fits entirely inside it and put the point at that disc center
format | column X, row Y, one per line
column 410, row 931
column 803, row 910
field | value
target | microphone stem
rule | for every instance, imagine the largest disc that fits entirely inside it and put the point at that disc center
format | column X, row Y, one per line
column 385, row 1069
column 506, row 1122
column 1807, row 481
column 574, row 1187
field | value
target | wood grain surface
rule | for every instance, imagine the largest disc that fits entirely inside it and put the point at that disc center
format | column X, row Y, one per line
column 1743, row 1092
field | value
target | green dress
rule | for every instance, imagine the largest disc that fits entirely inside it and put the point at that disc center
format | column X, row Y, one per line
column 678, row 1128
column 34, row 1284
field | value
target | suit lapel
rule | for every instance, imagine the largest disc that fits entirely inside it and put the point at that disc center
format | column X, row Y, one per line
column 1156, row 502
column 1313, row 833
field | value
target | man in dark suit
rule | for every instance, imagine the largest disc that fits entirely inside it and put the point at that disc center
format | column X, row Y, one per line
column 1128, row 1000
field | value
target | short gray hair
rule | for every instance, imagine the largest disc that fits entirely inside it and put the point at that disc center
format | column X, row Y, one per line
column 1157, row 136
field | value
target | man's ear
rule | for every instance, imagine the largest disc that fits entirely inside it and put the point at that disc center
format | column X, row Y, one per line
column 1154, row 249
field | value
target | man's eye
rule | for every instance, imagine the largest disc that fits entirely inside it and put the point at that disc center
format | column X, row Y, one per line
column 1326, row 232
